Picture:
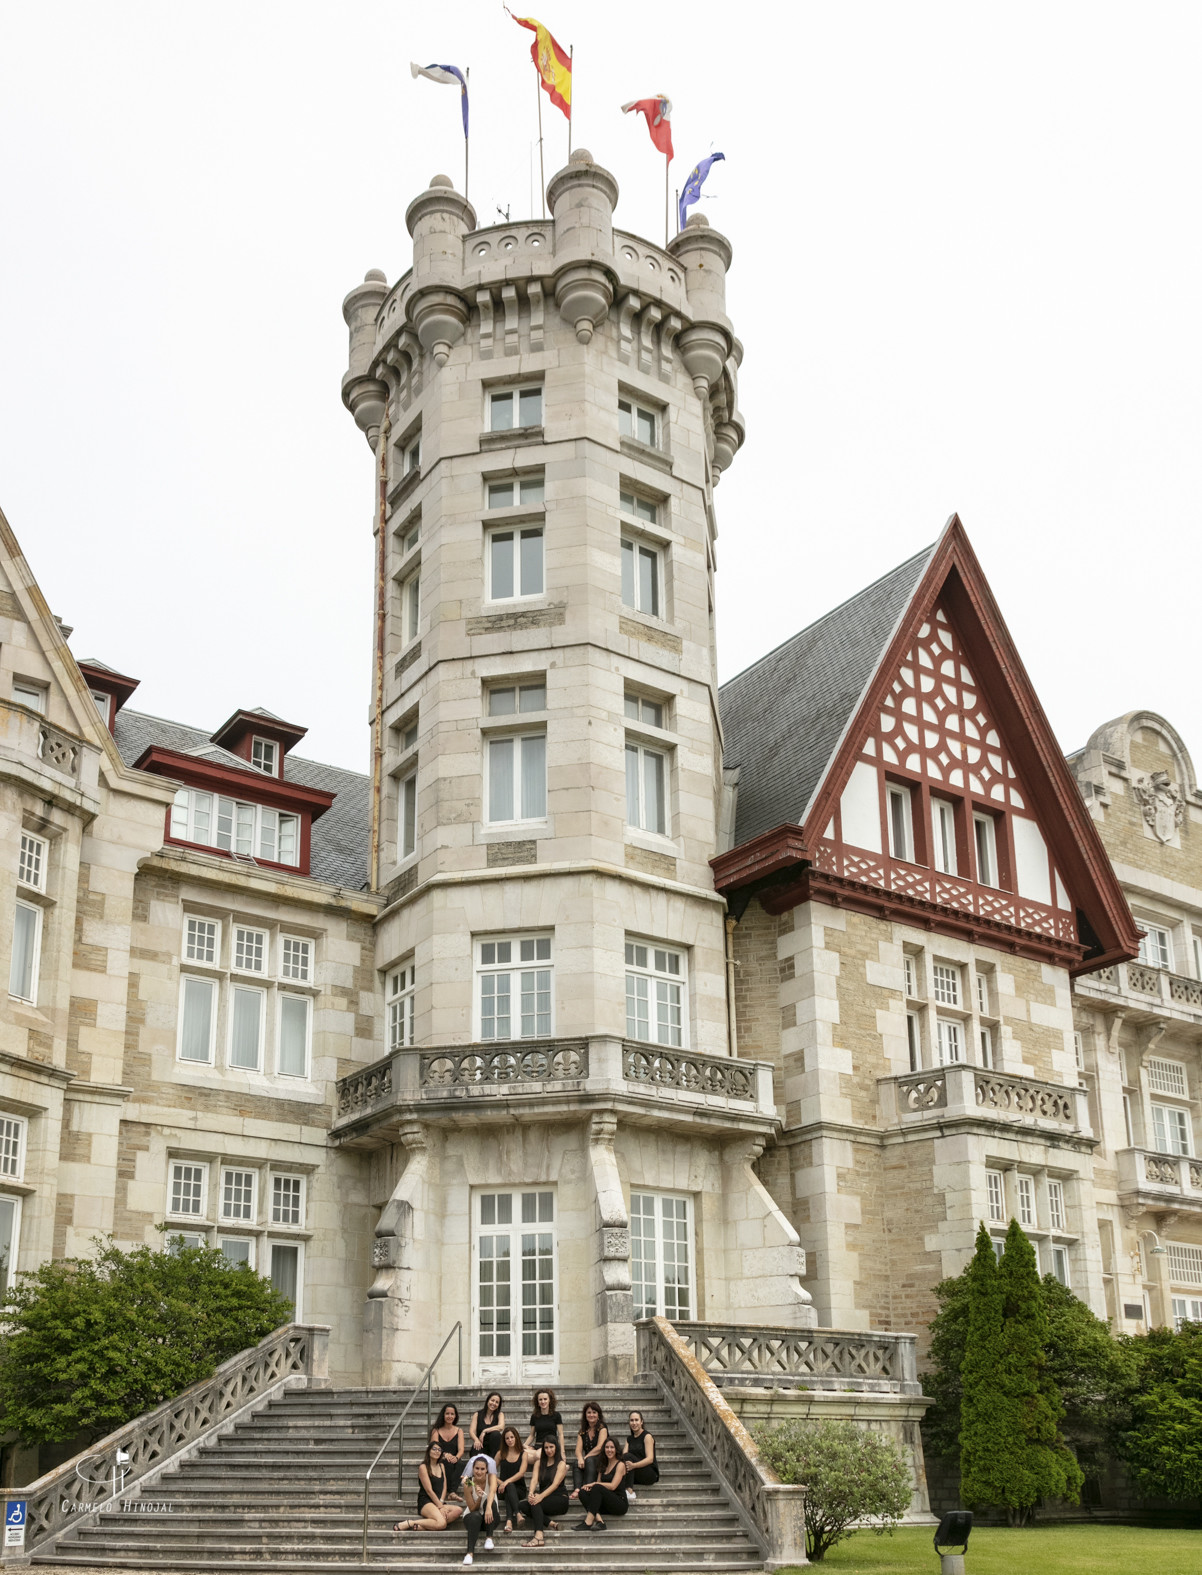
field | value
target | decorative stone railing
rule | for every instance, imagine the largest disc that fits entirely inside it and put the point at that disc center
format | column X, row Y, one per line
column 1160, row 1177
column 873, row 1361
column 58, row 750
column 701, row 1074
column 1141, row 980
column 292, row 1357
column 546, row 1069
column 773, row 1512
column 960, row 1089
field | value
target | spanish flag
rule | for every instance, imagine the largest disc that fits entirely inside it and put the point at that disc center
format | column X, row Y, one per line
column 554, row 65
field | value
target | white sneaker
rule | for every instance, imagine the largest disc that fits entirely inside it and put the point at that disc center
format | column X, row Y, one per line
column 631, row 1494
column 488, row 1544
column 467, row 1558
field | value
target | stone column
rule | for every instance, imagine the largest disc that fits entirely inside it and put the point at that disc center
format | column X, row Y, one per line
column 613, row 1326
column 397, row 1324
column 764, row 1256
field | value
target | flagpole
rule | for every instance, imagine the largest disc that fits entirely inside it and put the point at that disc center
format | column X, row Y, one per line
column 466, row 140
column 572, row 105
column 678, row 210
column 542, row 179
column 667, row 167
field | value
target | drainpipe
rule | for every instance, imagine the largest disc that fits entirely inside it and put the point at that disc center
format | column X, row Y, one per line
column 377, row 726
column 731, row 1022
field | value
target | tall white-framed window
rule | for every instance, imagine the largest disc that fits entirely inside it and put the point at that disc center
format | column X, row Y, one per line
column 264, row 755
column 236, row 1250
column 981, row 985
column 655, row 994
column 26, row 954
column 646, row 782
column 517, row 492
column 202, row 940
column 638, row 422
column 10, row 1237
column 250, row 830
column 402, row 990
column 1156, row 948
column 286, row 1269
column 984, row 832
column 1197, row 949
column 910, row 973
column 1025, row 1192
column 296, row 1014
column 943, row 834
column 513, row 987
column 197, row 1018
column 914, row 1041
column 1171, row 1130
column 517, row 777
column 32, row 861
column 985, row 1045
column 995, row 1196
column 1128, row 1121
column 296, row 958
column 1167, row 1077
column 248, row 1007
column 406, row 841
column 238, row 1195
column 410, row 606
column 950, row 1034
column 411, row 456
column 661, row 1255
column 510, row 409
column 1056, row 1214
column 1060, row 1264
column 900, row 821
column 515, row 563
column 250, row 950
column 188, row 1189
column 12, row 1147
column 1079, row 1049
column 947, row 984
column 1186, row 1309
column 642, row 576
column 287, row 1200
column 517, row 699
column 1185, row 1263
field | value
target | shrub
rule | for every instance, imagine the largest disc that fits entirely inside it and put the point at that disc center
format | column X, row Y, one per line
column 849, row 1474
column 90, row 1343
column 1163, row 1446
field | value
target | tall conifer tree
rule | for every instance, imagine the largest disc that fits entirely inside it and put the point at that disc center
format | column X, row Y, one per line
column 987, row 1421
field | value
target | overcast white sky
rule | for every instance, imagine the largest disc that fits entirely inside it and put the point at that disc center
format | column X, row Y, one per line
column 967, row 275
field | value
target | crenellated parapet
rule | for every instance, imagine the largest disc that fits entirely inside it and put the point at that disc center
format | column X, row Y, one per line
column 664, row 308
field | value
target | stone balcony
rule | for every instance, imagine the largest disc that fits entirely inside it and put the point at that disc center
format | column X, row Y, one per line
column 534, row 1079
column 1139, row 991
column 58, row 764
column 1159, row 1182
column 960, row 1092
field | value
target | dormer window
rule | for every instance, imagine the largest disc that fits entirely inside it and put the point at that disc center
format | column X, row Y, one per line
column 247, row 830
column 103, row 703
column 264, row 755
column 901, row 826
column 984, row 831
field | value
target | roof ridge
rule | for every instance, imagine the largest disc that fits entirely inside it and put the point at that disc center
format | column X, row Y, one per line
column 924, row 552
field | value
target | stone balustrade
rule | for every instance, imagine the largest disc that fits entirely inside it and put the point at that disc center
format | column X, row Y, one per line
column 960, row 1089
column 1156, row 1179
column 30, row 740
column 547, row 1069
column 1145, row 986
column 871, row 1361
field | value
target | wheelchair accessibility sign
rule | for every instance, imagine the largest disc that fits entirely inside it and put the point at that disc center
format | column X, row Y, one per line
column 14, row 1523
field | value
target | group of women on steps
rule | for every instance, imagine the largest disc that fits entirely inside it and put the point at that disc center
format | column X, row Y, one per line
column 502, row 1481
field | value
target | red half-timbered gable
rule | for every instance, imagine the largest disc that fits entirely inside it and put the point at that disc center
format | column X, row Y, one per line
column 947, row 801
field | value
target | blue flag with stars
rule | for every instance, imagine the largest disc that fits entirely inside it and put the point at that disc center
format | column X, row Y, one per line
column 692, row 187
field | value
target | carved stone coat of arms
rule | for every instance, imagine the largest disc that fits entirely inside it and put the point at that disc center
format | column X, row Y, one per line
column 1160, row 800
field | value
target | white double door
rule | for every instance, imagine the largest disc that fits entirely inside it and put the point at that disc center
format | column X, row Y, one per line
column 515, row 1286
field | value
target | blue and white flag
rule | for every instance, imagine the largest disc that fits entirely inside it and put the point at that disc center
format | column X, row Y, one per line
column 692, row 187
column 447, row 75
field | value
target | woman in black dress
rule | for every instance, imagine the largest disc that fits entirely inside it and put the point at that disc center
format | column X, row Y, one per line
column 547, row 1496
column 450, row 1435
column 545, row 1422
column 606, row 1495
column 435, row 1514
column 511, row 1474
column 486, row 1426
column 639, row 1455
column 589, row 1441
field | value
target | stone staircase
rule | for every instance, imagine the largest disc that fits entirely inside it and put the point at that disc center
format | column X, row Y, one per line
column 284, row 1489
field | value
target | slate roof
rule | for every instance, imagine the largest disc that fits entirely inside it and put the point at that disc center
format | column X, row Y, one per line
column 784, row 716
column 341, row 838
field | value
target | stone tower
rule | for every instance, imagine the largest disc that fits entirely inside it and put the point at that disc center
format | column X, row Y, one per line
column 566, row 1139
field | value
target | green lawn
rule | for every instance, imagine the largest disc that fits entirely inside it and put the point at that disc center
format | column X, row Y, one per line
column 1039, row 1550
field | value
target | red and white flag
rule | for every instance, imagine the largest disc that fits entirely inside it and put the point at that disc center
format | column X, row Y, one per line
column 658, row 112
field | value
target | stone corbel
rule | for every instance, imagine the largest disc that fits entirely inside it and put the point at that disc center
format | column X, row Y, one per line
column 667, row 340
column 1150, row 1038
column 394, row 1232
column 410, row 345
column 509, row 302
column 484, row 307
column 627, row 307
column 648, row 321
column 1112, row 1037
column 534, row 300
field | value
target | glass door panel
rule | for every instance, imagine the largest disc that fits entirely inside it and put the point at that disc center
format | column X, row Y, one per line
column 511, row 1226
column 661, row 1256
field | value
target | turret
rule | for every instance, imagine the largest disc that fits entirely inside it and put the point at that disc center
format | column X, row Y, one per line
column 438, row 220
column 582, row 198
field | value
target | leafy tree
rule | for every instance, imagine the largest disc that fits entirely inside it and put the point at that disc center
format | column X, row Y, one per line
column 1163, row 1445
column 849, row 1474
column 989, row 1422
column 1037, row 1461
column 87, row 1344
